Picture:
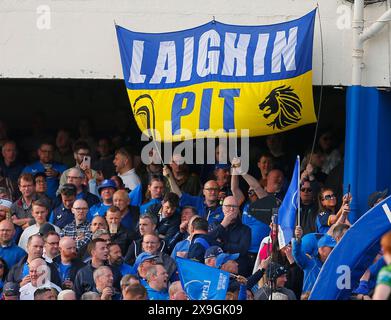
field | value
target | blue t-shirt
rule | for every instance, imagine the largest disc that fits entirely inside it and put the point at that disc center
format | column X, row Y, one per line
column 52, row 182
column 25, row 271
column 12, row 254
column 144, row 207
column 183, row 245
column 157, row 295
column 97, row 210
column 125, row 269
column 259, row 230
column 63, row 270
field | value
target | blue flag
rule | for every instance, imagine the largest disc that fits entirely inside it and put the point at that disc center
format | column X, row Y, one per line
column 288, row 208
column 202, row 282
column 136, row 196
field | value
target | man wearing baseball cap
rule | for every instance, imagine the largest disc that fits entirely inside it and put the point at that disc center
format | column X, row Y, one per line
column 106, row 191
column 211, row 254
column 142, row 264
column 311, row 265
column 276, row 275
column 11, row 291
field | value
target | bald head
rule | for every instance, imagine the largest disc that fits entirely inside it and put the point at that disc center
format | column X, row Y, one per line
column 7, row 232
column 38, row 271
column 80, row 210
column 66, row 241
column 67, row 248
column 80, row 203
column 230, row 200
column 231, row 207
column 121, row 200
column 35, row 263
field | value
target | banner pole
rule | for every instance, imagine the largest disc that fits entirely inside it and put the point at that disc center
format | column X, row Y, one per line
column 298, row 192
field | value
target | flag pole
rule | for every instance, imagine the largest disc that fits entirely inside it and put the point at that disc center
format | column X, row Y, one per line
column 298, row 192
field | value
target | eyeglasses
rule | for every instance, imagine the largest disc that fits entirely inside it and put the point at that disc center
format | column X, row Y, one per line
column 230, row 206
column 81, row 209
column 306, row 190
column 211, row 189
column 329, row 197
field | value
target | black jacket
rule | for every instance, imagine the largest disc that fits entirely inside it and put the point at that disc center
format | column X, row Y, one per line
column 166, row 227
column 236, row 238
column 123, row 238
column 308, row 214
column 84, row 280
column 15, row 274
column 76, row 265
column 136, row 248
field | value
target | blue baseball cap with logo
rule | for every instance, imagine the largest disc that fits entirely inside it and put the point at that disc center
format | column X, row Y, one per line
column 213, row 252
column 107, row 183
column 225, row 257
column 327, row 241
column 141, row 258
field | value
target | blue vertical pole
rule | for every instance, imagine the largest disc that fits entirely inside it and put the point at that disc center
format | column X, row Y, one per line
column 351, row 147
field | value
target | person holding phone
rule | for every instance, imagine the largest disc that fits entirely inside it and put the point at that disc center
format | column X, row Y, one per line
column 82, row 156
column 328, row 205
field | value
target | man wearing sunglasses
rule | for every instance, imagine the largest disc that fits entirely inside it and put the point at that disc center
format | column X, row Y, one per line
column 308, row 207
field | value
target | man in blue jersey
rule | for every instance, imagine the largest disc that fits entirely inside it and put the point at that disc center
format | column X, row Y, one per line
column 311, row 265
column 106, row 190
column 157, row 278
column 207, row 206
column 45, row 164
column 62, row 214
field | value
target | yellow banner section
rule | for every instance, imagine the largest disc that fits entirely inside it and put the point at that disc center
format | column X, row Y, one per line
column 213, row 109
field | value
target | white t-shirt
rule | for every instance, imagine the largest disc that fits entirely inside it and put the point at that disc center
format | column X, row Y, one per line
column 130, row 178
column 27, row 291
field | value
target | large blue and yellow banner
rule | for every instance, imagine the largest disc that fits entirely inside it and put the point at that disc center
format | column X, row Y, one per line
column 218, row 78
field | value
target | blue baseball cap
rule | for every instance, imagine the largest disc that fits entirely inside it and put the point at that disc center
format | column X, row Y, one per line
column 107, row 183
column 141, row 258
column 11, row 289
column 224, row 257
column 327, row 241
column 213, row 252
column 224, row 166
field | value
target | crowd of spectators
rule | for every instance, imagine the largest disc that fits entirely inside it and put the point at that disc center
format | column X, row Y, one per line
column 71, row 226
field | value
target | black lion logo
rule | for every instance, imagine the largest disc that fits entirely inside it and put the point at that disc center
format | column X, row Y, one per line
column 144, row 113
column 283, row 103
